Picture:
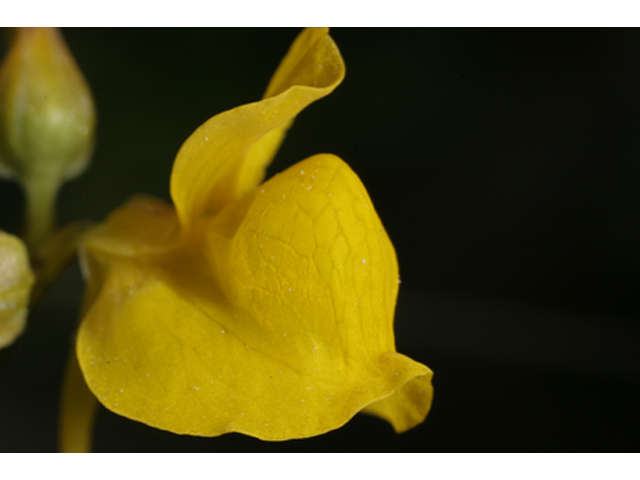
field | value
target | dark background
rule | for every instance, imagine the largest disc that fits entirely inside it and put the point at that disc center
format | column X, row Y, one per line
column 505, row 165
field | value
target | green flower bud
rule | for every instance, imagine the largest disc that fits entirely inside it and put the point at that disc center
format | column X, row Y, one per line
column 16, row 281
column 47, row 121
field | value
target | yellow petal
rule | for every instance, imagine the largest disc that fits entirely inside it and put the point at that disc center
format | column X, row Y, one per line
column 226, row 157
column 406, row 407
column 145, row 226
column 120, row 236
column 275, row 319
column 16, row 281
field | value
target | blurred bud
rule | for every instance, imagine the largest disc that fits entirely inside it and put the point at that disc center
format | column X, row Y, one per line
column 47, row 121
column 16, row 280
column 47, row 115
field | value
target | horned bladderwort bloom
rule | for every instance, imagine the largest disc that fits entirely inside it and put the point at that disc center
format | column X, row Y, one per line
column 265, row 309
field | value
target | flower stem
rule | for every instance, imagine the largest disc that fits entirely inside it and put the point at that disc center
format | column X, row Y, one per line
column 40, row 214
column 54, row 256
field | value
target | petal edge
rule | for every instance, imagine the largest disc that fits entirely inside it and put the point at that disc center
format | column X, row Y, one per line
column 226, row 157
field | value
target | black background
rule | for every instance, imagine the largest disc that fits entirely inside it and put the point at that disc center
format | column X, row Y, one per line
column 505, row 165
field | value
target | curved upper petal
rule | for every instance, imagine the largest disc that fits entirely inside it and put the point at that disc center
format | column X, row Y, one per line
column 275, row 319
column 226, row 157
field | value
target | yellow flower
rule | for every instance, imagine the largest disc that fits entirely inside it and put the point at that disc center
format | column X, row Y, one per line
column 260, row 309
column 16, row 281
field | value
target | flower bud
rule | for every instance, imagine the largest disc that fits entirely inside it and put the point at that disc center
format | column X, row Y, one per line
column 47, row 115
column 47, row 121
column 16, row 280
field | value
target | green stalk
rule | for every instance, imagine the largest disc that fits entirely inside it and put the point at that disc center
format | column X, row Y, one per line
column 40, row 212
